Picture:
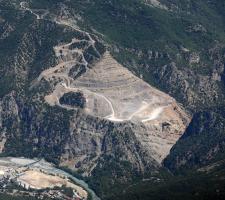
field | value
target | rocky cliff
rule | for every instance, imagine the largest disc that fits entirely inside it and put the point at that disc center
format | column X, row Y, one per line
column 107, row 88
column 123, row 116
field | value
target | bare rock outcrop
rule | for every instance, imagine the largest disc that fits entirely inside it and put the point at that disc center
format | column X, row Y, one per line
column 123, row 117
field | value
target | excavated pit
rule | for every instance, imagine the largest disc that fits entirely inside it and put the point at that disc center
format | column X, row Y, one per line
column 111, row 92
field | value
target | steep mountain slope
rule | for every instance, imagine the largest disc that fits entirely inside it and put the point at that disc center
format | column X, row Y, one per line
column 201, row 144
column 203, row 184
column 150, row 121
column 80, row 85
column 182, row 55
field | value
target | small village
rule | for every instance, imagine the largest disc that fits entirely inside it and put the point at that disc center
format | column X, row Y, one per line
column 37, row 178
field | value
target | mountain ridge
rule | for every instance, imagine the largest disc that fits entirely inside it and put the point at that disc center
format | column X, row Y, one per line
column 177, row 50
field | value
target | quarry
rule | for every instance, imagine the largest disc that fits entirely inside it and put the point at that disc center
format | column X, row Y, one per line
column 113, row 93
column 104, row 90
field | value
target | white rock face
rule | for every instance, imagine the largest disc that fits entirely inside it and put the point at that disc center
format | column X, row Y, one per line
column 112, row 93
column 123, row 116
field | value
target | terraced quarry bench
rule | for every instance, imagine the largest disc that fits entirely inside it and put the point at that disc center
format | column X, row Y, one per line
column 113, row 93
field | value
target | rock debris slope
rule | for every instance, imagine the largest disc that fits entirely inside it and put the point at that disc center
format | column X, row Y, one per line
column 89, row 109
column 113, row 93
